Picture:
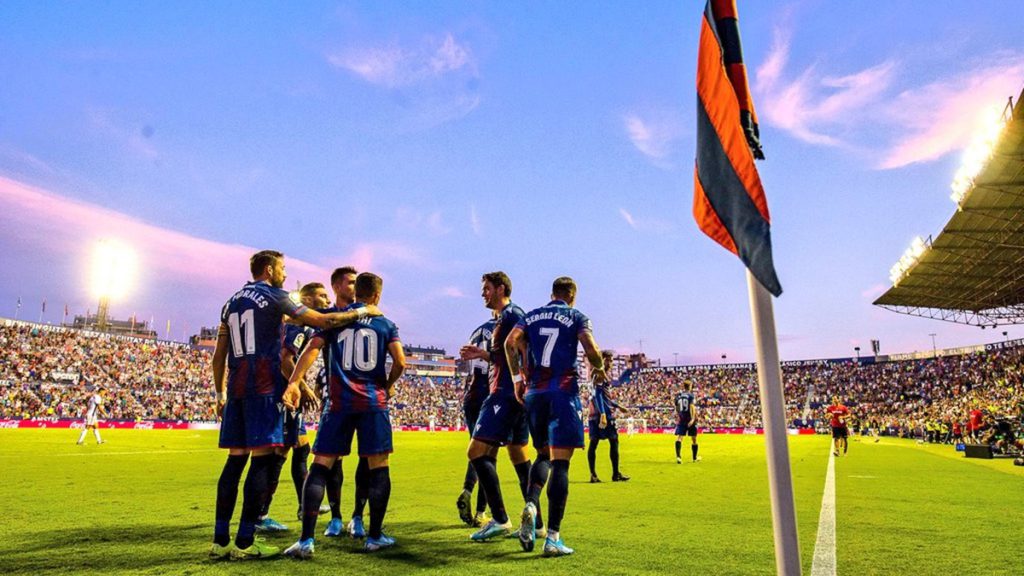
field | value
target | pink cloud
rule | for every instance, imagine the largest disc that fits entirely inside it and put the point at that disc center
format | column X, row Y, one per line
column 395, row 67
column 63, row 225
column 946, row 112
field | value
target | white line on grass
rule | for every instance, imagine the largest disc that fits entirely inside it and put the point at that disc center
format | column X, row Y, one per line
column 824, row 563
column 140, row 452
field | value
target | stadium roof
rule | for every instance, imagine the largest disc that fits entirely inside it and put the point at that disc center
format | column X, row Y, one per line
column 973, row 272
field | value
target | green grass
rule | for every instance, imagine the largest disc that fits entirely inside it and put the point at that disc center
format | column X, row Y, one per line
column 143, row 504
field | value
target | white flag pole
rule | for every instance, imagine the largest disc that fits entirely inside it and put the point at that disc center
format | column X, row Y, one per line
column 773, row 412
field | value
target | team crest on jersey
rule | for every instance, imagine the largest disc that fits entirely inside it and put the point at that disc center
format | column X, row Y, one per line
column 300, row 339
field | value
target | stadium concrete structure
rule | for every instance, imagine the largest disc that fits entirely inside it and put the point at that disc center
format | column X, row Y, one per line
column 973, row 271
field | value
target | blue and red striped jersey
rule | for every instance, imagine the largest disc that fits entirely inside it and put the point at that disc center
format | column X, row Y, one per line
column 356, row 363
column 552, row 335
column 501, row 376
column 254, row 317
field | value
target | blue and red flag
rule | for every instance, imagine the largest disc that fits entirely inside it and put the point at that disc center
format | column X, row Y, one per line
column 728, row 200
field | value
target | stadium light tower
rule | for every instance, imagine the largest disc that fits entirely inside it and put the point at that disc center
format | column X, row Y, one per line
column 113, row 270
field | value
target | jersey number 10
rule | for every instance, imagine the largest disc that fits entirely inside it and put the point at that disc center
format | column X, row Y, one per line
column 360, row 348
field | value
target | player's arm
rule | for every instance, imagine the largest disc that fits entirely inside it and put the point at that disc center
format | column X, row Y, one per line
column 310, row 317
column 599, row 401
column 297, row 392
column 220, row 357
column 515, row 344
column 586, row 338
column 397, row 354
column 287, row 362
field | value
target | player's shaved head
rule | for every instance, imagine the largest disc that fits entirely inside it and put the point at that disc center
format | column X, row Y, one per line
column 368, row 285
column 259, row 261
column 564, row 288
column 497, row 279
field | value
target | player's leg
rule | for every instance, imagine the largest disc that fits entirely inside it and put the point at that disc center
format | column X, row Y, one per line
column 375, row 443
column 538, row 417
column 356, row 529
column 693, row 442
column 518, row 442
column 96, row 433
column 679, row 446
column 613, row 454
column 299, row 469
column 566, row 435
column 81, row 437
column 254, row 492
column 336, row 527
column 494, row 427
column 464, row 502
column 265, row 523
column 227, row 495
column 592, row 451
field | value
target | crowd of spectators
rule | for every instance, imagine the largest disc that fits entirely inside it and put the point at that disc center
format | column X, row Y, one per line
column 49, row 372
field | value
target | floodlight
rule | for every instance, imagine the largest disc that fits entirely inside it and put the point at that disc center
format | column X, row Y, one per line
column 978, row 152
column 113, row 269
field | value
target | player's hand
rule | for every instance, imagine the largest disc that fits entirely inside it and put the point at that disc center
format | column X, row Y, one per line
column 391, row 392
column 309, row 400
column 372, row 310
column 600, row 377
column 221, row 401
column 470, row 352
column 292, row 396
column 604, row 421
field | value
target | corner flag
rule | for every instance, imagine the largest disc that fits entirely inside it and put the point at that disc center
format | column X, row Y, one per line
column 728, row 200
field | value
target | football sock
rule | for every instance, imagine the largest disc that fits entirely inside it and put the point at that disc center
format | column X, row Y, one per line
column 273, row 477
column 845, row 446
column 523, row 473
column 299, row 456
column 558, row 493
column 613, row 453
column 96, row 433
column 538, row 477
column 592, row 456
column 693, row 448
column 334, row 481
column 227, row 493
column 679, row 446
column 81, row 437
column 362, row 486
column 481, row 501
column 380, row 493
column 487, row 473
column 254, row 493
column 312, row 496
column 470, row 482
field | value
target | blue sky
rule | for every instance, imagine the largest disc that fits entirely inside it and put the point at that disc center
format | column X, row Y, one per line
column 433, row 142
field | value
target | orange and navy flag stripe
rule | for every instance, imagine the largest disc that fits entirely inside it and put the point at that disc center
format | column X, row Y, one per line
column 728, row 201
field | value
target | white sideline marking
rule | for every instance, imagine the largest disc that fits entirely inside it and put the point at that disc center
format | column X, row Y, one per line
column 141, row 452
column 824, row 563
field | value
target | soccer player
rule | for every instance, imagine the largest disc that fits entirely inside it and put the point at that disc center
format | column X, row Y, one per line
column 602, row 426
column 837, row 419
column 343, row 284
column 686, row 423
column 249, row 384
column 550, row 336
column 314, row 296
column 502, row 421
column 93, row 410
column 357, row 402
column 473, row 396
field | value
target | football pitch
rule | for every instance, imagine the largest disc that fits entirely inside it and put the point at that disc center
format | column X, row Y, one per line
column 143, row 503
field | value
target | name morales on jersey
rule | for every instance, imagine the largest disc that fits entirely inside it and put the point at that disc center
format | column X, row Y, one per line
column 253, row 295
column 557, row 317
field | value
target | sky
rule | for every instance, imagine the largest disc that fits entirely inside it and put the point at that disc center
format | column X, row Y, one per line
column 433, row 142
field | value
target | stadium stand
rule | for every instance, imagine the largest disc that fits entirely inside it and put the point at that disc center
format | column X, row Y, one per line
column 47, row 371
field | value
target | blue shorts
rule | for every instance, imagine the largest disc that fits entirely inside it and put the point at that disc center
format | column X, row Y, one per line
column 334, row 437
column 252, row 422
column 501, row 422
column 607, row 433
column 471, row 413
column 684, row 428
column 556, row 419
column 294, row 427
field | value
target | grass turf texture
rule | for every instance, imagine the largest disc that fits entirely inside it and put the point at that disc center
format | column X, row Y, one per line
column 143, row 503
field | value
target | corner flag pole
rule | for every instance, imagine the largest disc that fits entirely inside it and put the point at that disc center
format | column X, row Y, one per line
column 773, row 412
